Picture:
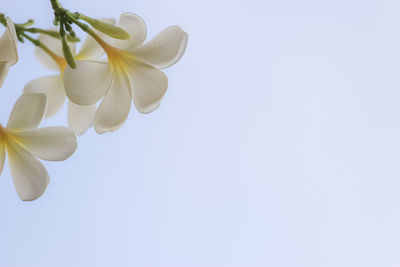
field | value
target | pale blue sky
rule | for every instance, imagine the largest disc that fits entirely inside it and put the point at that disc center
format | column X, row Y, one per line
column 277, row 144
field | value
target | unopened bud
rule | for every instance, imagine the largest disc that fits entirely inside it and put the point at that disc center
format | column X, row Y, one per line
column 68, row 27
column 72, row 39
column 110, row 30
column 67, row 53
column 56, row 21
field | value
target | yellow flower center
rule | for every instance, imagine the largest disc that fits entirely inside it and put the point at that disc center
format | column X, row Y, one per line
column 115, row 55
column 3, row 133
column 61, row 62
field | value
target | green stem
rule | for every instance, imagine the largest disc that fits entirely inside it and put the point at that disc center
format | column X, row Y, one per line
column 37, row 43
column 56, row 5
column 26, row 24
column 34, row 41
column 54, row 34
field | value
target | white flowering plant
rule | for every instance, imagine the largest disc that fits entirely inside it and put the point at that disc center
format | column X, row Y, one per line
column 114, row 68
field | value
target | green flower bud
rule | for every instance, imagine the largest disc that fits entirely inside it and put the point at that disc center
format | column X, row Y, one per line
column 67, row 53
column 56, row 21
column 72, row 39
column 68, row 27
column 55, row 34
column 110, row 30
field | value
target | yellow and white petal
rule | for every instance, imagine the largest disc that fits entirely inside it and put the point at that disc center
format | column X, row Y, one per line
column 49, row 143
column 88, row 82
column 4, row 68
column 27, row 112
column 135, row 27
column 114, row 109
column 165, row 49
column 90, row 49
column 2, row 152
column 149, row 85
column 80, row 118
column 29, row 175
column 9, row 44
column 55, row 46
column 53, row 88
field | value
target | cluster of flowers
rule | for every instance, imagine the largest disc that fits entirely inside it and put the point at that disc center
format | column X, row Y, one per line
column 110, row 71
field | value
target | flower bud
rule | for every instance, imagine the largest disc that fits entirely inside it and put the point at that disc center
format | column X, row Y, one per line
column 110, row 30
column 56, row 21
column 67, row 53
column 67, row 27
column 72, row 39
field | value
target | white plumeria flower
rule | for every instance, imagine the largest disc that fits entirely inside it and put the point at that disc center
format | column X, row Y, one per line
column 80, row 118
column 132, row 72
column 8, row 50
column 24, row 142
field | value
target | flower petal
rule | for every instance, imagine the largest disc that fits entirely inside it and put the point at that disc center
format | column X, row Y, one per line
column 28, row 112
column 4, row 68
column 55, row 46
column 80, row 118
column 90, row 48
column 2, row 153
column 114, row 109
column 9, row 44
column 135, row 27
column 49, row 143
column 53, row 88
column 29, row 175
column 148, row 85
column 165, row 49
column 88, row 82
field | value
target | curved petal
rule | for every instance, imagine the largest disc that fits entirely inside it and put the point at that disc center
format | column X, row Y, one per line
column 46, row 60
column 4, row 68
column 165, row 49
column 88, row 82
column 150, row 108
column 148, row 85
column 53, row 88
column 90, row 48
column 50, row 143
column 80, row 118
column 135, row 27
column 27, row 112
column 9, row 44
column 114, row 109
column 55, row 46
column 29, row 175
column 2, row 152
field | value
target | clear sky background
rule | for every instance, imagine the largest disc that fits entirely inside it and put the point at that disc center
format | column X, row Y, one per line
column 277, row 144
